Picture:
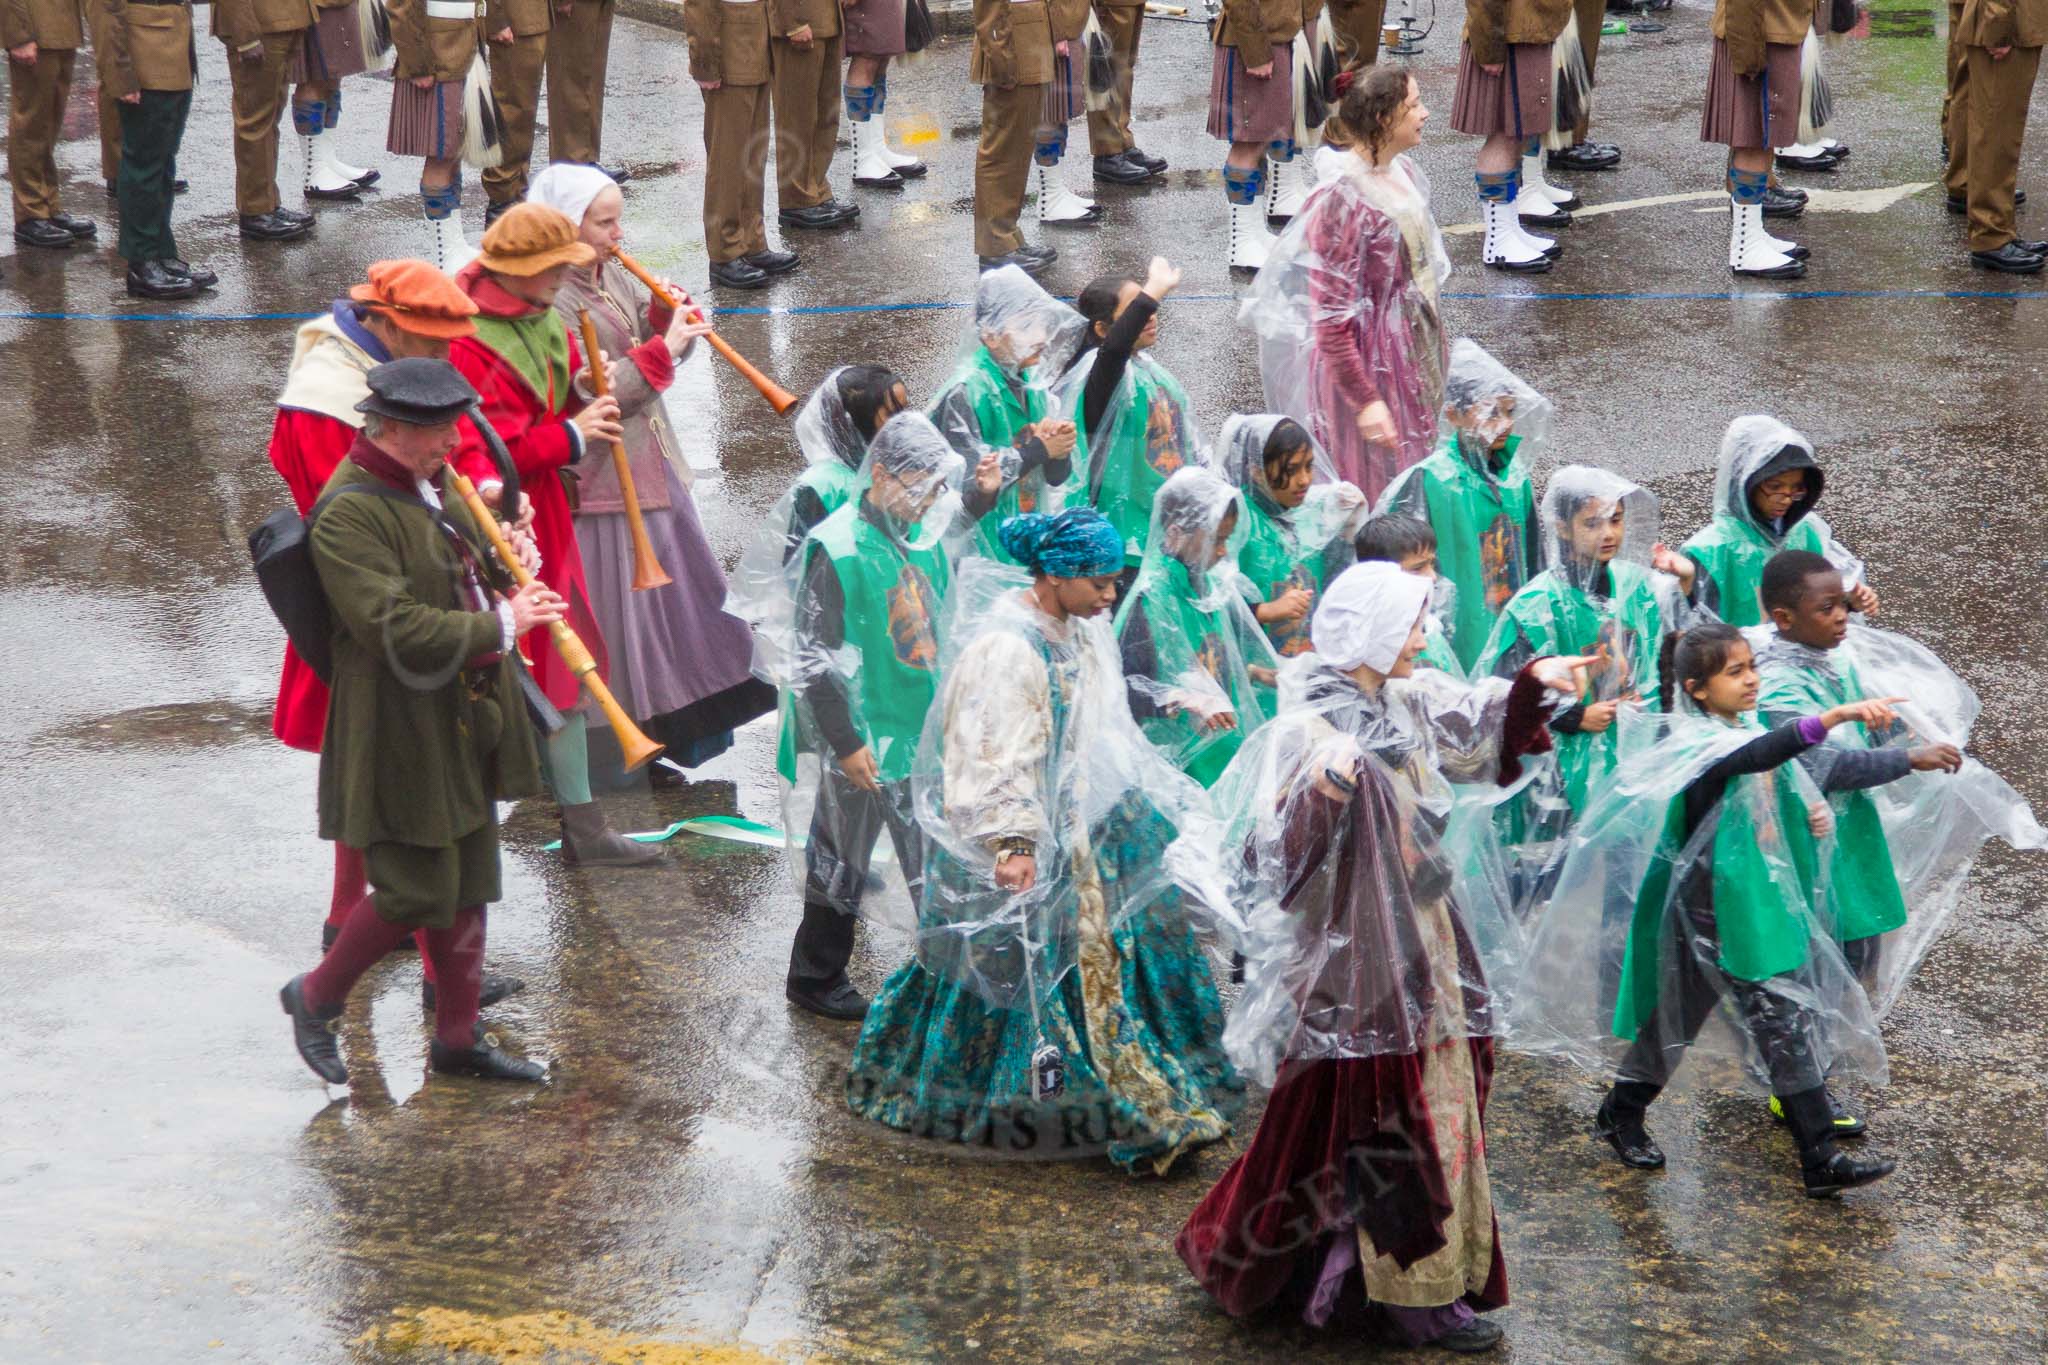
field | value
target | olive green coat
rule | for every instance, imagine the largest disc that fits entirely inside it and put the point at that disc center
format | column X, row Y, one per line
column 408, row 756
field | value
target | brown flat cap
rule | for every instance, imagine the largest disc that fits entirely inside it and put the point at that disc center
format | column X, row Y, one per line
column 530, row 238
column 418, row 299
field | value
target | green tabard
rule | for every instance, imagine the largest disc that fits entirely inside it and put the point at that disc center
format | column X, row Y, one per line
column 1003, row 406
column 1481, row 506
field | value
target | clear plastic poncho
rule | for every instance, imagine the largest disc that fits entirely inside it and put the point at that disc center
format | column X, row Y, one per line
column 1000, row 386
column 864, row 656
column 1346, row 310
column 1904, row 847
column 1660, row 943
column 1371, row 919
column 1147, row 434
column 1198, row 670
column 1303, row 546
column 764, row 585
column 1732, row 549
column 1032, row 740
column 1474, row 491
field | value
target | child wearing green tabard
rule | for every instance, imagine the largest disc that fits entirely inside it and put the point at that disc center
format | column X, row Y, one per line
column 1134, row 422
column 1300, row 517
column 1198, row 671
column 997, row 401
column 1410, row 543
column 1730, row 906
column 1765, row 488
column 1474, row 492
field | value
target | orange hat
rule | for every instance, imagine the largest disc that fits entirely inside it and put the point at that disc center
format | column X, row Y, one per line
column 418, row 299
column 529, row 238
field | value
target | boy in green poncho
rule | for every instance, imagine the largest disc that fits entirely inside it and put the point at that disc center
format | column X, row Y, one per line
column 1410, row 543
column 875, row 574
column 1198, row 671
column 1730, row 906
column 1809, row 609
column 1474, row 492
column 995, row 401
column 1600, row 594
column 1298, row 515
column 1765, row 489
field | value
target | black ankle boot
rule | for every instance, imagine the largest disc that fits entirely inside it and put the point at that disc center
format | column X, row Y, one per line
column 1623, row 1130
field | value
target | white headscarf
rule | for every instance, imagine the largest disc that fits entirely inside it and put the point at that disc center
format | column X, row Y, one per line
column 569, row 188
column 1367, row 614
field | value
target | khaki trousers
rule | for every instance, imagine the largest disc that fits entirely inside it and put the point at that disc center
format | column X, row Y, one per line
column 1592, row 14
column 515, row 85
column 260, row 85
column 735, row 170
column 1357, row 26
column 34, row 120
column 110, row 136
column 1987, row 124
column 804, row 84
column 1955, row 69
column 1002, row 166
column 579, row 47
column 1109, row 130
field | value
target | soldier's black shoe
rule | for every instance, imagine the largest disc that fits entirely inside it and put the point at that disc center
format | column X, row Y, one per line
column 43, row 233
column 737, row 274
column 495, row 989
column 1820, row 162
column 495, row 210
column 1783, row 203
column 272, row 227
column 149, row 280
column 1959, row 205
column 619, row 174
column 1122, row 170
column 198, row 274
column 292, row 215
column 772, row 262
column 81, row 229
column 1630, row 1140
column 1154, row 164
column 1028, row 262
column 313, row 1033
column 1844, row 1172
column 817, row 217
column 841, row 1002
column 485, row 1061
column 1586, row 156
column 2010, row 259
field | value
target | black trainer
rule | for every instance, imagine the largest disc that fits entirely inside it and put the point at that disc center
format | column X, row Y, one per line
column 313, row 1033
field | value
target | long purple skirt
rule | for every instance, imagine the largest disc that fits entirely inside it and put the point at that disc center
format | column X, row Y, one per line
column 673, row 648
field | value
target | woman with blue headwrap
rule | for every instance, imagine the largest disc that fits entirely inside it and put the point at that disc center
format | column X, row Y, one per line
column 1058, row 1004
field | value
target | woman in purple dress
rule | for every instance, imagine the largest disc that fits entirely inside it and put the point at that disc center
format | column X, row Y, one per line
column 1351, row 340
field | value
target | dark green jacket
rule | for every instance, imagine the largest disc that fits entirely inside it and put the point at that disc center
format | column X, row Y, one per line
column 408, row 756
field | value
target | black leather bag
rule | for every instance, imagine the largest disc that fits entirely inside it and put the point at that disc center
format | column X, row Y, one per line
column 281, row 551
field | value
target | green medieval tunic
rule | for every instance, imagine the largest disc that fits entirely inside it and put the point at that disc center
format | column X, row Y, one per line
column 422, row 738
column 1482, row 507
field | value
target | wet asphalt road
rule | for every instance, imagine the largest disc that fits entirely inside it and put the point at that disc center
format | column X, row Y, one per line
column 176, row 1186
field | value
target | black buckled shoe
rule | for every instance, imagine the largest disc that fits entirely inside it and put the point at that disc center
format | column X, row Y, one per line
column 43, row 233
column 198, row 274
column 1475, row 1338
column 81, row 229
column 1586, row 156
column 1154, row 164
column 313, row 1034
column 272, row 227
column 1121, row 170
column 1819, row 162
column 1630, row 1140
column 816, row 217
column 486, row 1061
column 772, row 262
column 1783, row 203
column 737, row 274
column 2010, row 259
column 149, row 280
column 841, row 1002
column 495, row 989
column 1844, row 1172
column 1959, row 205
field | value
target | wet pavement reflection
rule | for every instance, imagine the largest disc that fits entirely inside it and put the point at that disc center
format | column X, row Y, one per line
column 174, row 1185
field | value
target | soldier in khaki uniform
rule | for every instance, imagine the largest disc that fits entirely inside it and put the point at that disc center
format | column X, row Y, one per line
column 42, row 38
column 805, row 45
column 262, row 38
column 1117, row 158
column 1012, row 63
column 146, row 63
column 729, row 61
column 579, row 50
column 2000, row 43
column 519, row 55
